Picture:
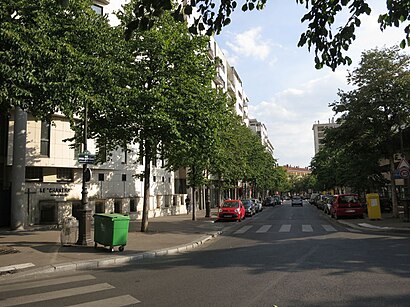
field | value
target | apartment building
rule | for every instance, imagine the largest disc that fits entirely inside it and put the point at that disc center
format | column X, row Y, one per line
column 319, row 130
column 49, row 181
column 260, row 129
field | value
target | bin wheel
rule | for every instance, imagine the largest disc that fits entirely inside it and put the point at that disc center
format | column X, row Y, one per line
column 111, row 249
column 121, row 248
column 95, row 245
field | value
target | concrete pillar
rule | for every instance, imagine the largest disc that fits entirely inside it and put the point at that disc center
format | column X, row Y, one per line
column 18, row 171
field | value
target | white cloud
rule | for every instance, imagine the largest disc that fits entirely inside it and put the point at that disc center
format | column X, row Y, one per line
column 250, row 44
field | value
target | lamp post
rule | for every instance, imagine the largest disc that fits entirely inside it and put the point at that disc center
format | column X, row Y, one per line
column 84, row 225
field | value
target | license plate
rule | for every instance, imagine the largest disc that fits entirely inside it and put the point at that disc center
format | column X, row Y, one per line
column 228, row 215
column 350, row 211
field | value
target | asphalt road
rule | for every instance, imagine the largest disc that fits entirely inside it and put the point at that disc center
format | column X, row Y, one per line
column 283, row 256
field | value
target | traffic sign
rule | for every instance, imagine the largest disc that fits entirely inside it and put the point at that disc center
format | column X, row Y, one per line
column 404, row 173
column 403, row 164
column 86, row 158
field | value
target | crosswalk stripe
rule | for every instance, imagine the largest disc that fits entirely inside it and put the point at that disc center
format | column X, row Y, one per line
column 264, row 228
column 42, row 283
column 118, row 301
column 285, row 228
column 329, row 228
column 307, row 228
column 243, row 229
column 33, row 298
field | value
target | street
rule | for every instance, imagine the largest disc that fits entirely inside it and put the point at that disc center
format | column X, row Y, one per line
column 283, row 256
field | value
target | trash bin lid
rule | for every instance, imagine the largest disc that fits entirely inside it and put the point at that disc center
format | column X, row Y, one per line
column 112, row 216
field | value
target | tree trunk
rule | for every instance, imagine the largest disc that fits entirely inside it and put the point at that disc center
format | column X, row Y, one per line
column 207, row 202
column 193, row 204
column 145, row 211
column 393, row 189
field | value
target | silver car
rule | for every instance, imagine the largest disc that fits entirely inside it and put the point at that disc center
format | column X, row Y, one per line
column 297, row 201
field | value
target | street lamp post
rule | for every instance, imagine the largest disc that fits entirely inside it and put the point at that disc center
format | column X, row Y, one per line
column 84, row 225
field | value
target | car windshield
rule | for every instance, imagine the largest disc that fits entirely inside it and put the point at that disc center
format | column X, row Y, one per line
column 345, row 199
column 296, row 197
column 231, row 204
column 246, row 202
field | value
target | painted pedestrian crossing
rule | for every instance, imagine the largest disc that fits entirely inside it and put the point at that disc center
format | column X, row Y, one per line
column 285, row 228
column 70, row 291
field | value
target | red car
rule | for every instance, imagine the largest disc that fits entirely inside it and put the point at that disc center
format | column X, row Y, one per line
column 346, row 205
column 231, row 210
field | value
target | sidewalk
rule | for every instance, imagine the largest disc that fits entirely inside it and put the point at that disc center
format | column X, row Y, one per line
column 387, row 223
column 33, row 251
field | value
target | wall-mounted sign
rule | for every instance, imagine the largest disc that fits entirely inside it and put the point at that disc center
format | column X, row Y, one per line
column 86, row 158
column 55, row 191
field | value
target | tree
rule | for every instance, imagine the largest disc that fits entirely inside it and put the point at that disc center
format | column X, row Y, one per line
column 173, row 106
column 55, row 57
column 372, row 114
column 329, row 46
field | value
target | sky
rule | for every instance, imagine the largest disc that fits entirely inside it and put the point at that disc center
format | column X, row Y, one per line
column 285, row 91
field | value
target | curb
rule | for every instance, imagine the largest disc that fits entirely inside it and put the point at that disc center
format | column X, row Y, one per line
column 16, row 271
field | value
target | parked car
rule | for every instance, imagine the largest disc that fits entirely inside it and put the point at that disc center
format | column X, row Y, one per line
column 313, row 198
column 269, row 201
column 249, row 207
column 321, row 201
column 277, row 200
column 346, row 205
column 297, row 201
column 231, row 210
column 258, row 205
column 328, row 204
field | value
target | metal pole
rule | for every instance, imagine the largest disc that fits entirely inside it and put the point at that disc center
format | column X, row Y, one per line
column 84, row 225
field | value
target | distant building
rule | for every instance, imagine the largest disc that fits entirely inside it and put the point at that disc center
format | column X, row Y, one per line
column 262, row 132
column 319, row 133
column 296, row 170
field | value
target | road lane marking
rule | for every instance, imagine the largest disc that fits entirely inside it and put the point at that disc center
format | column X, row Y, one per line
column 307, row 228
column 285, row 228
column 264, row 229
column 329, row 228
column 43, row 283
column 243, row 229
column 118, row 301
column 40, row 297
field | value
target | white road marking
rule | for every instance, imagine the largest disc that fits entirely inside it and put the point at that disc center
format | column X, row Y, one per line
column 329, row 228
column 118, row 301
column 285, row 228
column 243, row 229
column 264, row 229
column 43, row 283
column 307, row 228
column 40, row 297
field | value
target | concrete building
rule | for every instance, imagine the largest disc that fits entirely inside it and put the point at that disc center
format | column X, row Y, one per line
column 319, row 133
column 49, row 182
column 262, row 132
column 296, row 170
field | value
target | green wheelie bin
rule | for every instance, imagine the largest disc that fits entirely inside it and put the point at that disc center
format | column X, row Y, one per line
column 111, row 229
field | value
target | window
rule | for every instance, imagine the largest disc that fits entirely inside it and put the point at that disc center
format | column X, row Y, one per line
column 133, row 206
column 100, row 177
column 34, row 174
column 124, row 155
column 64, row 175
column 124, row 177
column 45, row 139
column 98, row 9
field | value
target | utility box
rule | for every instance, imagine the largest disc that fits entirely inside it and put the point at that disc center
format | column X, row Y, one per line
column 111, row 230
column 69, row 231
column 373, row 206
